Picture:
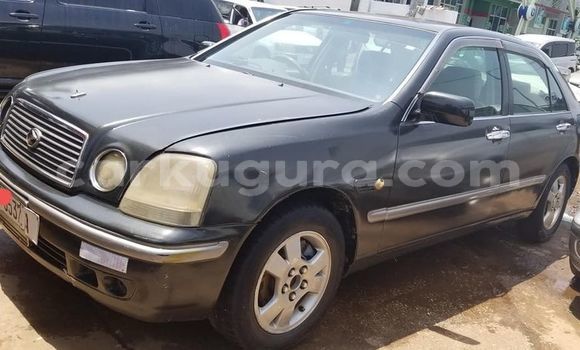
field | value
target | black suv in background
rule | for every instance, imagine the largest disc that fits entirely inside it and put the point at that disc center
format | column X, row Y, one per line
column 37, row 35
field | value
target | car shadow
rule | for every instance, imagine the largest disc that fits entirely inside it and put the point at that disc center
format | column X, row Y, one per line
column 373, row 308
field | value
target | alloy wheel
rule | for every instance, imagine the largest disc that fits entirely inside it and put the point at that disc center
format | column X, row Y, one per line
column 555, row 202
column 292, row 282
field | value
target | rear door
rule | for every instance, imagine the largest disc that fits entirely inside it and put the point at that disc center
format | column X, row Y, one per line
column 542, row 125
column 20, row 31
column 187, row 24
column 90, row 31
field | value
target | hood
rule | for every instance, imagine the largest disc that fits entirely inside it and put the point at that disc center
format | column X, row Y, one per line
column 167, row 101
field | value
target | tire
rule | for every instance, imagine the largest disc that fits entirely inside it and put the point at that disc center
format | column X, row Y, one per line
column 251, row 288
column 572, row 253
column 575, row 271
column 538, row 228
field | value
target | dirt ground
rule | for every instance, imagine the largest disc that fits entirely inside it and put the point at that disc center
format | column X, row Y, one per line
column 486, row 290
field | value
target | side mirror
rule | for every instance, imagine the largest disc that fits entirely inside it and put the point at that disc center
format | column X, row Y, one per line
column 448, row 109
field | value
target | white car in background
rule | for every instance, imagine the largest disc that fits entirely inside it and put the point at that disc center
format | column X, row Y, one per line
column 562, row 51
column 238, row 14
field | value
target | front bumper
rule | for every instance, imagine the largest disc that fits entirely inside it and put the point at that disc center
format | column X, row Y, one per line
column 575, row 246
column 161, row 284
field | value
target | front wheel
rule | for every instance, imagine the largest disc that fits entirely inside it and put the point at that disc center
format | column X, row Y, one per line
column 546, row 218
column 283, row 280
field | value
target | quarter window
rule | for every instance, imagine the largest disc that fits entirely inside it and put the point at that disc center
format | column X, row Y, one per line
column 530, row 85
column 475, row 73
column 134, row 5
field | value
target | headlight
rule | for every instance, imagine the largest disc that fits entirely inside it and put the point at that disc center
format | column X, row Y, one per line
column 171, row 189
column 4, row 107
column 108, row 170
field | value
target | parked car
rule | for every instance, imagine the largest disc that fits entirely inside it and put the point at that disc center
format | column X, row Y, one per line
column 43, row 34
column 575, row 246
column 243, row 13
column 242, row 188
column 561, row 50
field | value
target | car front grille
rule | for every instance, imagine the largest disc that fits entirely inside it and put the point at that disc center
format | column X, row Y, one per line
column 44, row 142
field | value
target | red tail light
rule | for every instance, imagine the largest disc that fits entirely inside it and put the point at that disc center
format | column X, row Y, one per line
column 224, row 30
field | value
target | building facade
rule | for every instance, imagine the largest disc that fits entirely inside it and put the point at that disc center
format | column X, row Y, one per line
column 552, row 18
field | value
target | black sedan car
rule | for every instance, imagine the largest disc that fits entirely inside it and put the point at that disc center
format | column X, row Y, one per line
column 243, row 183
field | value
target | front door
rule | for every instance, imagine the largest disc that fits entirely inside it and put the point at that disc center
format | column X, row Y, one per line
column 20, row 30
column 449, row 177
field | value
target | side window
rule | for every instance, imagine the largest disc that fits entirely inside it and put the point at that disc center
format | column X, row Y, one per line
column 571, row 49
column 241, row 16
column 560, row 50
column 201, row 10
column 556, row 95
column 530, row 85
column 134, row 5
column 475, row 73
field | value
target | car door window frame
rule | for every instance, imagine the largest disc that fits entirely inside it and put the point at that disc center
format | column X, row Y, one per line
column 547, row 49
column 548, row 71
column 146, row 5
column 454, row 46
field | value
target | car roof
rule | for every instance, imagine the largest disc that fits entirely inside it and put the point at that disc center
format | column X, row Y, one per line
column 250, row 3
column 543, row 39
column 417, row 23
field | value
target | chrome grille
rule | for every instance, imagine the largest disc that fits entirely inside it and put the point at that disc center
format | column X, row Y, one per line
column 57, row 153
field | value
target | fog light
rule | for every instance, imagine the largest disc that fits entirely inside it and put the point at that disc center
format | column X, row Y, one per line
column 108, row 170
column 115, row 286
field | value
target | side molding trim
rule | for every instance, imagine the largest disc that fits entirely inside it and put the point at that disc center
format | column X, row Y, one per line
column 405, row 210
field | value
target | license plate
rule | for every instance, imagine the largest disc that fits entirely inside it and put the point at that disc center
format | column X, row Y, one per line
column 19, row 220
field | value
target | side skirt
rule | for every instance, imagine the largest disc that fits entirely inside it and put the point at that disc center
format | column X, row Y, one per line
column 363, row 263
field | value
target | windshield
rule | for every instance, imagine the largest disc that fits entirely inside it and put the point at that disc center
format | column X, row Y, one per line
column 359, row 57
column 261, row 13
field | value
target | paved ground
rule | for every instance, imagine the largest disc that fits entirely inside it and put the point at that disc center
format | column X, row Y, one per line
column 482, row 291
column 486, row 290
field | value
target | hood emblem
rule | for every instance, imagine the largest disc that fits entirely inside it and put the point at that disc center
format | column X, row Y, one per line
column 78, row 94
column 33, row 138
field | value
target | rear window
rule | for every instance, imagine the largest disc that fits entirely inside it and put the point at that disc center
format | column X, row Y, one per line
column 225, row 8
column 134, row 5
column 201, row 10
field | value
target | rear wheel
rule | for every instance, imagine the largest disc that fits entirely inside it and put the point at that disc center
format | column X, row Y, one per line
column 546, row 218
column 573, row 255
column 283, row 280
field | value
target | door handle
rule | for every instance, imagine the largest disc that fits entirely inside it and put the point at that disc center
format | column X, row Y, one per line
column 145, row 26
column 498, row 135
column 25, row 16
column 563, row 127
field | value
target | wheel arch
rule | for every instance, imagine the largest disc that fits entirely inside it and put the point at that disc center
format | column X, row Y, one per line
column 334, row 200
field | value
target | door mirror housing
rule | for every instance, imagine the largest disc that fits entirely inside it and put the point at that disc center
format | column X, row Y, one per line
column 448, row 109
